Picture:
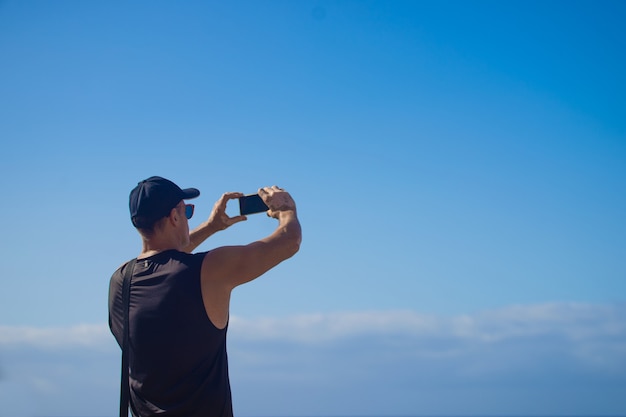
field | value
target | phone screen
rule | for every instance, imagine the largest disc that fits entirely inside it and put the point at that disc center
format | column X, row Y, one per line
column 250, row 204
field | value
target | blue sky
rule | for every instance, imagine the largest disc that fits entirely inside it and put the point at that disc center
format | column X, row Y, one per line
column 459, row 170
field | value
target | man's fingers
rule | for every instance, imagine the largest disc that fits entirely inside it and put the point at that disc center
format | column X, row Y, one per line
column 266, row 190
column 236, row 219
column 222, row 202
column 232, row 195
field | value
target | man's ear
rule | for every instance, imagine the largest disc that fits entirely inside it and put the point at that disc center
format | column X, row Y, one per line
column 174, row 216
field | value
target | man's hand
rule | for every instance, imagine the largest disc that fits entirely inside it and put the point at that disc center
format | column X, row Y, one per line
column 277, row 199
column 219, row 220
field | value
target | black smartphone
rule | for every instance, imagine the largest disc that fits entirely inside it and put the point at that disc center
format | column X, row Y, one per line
column 250, row 204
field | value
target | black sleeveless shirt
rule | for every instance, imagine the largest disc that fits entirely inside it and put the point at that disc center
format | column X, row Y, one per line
column 178, row 361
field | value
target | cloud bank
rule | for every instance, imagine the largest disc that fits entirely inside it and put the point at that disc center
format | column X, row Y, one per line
column 561, row 358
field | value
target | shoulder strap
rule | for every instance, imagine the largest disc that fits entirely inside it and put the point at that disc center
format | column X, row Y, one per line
column 125, row 386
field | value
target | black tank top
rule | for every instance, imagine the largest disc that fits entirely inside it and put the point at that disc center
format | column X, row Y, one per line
column 178, row 362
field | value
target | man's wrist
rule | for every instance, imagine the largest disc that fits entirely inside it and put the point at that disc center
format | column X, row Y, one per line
column 286, row 215
column 204, row 230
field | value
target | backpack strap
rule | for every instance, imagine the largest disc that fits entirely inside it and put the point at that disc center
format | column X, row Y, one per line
column 125, row 385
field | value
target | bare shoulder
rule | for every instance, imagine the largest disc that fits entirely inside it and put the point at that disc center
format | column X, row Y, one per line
column 235, row 265
column 223, row 265
column 220, row 261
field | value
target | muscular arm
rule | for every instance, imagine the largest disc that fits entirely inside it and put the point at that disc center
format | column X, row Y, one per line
column 227, row 267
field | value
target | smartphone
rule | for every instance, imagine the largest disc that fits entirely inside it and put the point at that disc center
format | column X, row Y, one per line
column 250, row 204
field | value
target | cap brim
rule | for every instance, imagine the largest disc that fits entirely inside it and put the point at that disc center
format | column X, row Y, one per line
column 189, row 193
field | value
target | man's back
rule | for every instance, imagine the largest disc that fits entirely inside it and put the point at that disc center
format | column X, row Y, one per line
column 177, row 356
column 179, row 303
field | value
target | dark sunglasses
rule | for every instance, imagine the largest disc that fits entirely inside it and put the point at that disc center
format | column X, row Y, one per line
column 189, row 210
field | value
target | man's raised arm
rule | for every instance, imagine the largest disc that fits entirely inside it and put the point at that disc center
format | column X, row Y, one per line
column 226, row 267
column 235, row 265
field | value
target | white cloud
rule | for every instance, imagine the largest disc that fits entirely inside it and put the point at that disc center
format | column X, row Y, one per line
column 594, row 334
column 386, row 362
column 573, row 321
column 520, row 354
column 80, row 335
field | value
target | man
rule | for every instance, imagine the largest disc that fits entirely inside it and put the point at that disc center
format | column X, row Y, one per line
column 179, row 301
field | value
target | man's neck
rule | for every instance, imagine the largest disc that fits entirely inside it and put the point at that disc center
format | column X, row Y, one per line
column 152, row 247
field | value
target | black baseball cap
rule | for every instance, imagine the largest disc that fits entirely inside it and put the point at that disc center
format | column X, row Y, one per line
column 154, row 198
